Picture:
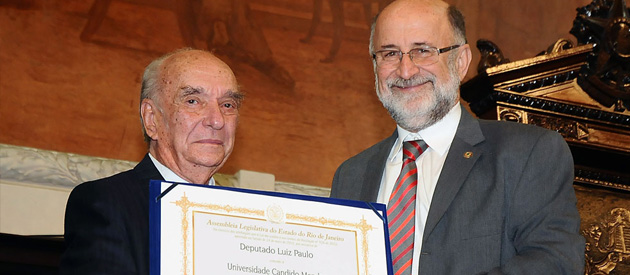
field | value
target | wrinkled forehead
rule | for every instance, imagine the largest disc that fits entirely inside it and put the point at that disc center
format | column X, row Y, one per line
column 414, row 6
column 198, row 66
column 419, row 20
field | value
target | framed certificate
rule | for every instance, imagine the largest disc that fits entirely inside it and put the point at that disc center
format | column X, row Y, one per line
column 197, row 229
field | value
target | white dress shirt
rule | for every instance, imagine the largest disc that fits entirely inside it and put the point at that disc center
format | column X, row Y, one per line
column 439, row 137
column 169, row 175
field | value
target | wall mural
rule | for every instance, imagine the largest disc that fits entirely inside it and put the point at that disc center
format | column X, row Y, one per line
column 70, row 72
column 77, row 68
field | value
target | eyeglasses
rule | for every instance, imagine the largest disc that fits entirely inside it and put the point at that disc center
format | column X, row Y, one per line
column 422, row 56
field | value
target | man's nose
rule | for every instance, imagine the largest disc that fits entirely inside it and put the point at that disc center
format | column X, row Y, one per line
column 407, row 68
column 213, row 117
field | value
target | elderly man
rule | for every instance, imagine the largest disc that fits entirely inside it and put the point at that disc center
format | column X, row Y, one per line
column 189, row 111
column 464, row 196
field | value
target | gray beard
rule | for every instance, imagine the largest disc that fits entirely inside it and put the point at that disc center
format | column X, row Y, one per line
column 443, row 98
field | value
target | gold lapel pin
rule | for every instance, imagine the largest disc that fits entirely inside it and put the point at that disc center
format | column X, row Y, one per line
column 468, row 155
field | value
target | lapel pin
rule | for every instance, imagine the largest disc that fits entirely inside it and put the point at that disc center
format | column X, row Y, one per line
column 468, row 155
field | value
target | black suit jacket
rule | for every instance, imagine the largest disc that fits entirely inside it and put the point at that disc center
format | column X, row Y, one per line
column 107, row 224
column 504, row 202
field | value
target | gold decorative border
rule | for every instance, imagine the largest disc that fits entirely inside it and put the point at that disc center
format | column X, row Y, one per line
column 363, row 226
column 608, row 243
column 186, row 204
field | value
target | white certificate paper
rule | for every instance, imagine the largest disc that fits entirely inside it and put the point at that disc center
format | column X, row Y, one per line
column 217, row 230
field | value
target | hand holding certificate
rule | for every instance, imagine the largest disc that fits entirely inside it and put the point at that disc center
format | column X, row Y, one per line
column 216, row 230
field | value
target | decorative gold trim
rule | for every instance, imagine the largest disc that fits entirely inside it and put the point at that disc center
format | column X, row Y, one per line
column 186, row 206
column 602, row 183
column 511, row 114
column 608, row 242
column 541, row 81
column 362, row 225
column 517, row 65
column 580, row 131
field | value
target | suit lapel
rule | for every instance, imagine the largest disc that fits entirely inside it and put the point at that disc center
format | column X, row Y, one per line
column 375, row 168
column 460, row 159
column 146, row 170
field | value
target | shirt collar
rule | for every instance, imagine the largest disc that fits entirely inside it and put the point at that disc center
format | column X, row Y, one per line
column 169, row 175
column 438, row 136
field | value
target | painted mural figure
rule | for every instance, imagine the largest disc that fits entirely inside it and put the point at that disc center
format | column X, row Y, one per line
column 338, row 21
column 245, row 40
column 225, row 25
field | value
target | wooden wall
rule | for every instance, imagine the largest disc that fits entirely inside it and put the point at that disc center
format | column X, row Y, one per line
column 61, row 92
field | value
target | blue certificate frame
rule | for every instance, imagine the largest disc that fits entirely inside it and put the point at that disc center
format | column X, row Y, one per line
column 199, row 229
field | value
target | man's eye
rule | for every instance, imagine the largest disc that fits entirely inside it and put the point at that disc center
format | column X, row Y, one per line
column 229, row 105
column 390, row 54
column 229, row 108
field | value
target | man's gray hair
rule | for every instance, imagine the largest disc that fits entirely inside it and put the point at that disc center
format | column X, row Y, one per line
column 151, row 86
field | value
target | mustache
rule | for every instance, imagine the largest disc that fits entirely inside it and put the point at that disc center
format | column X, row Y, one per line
column 413, row 81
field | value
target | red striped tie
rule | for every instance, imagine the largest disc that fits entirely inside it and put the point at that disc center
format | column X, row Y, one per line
column 401, row 210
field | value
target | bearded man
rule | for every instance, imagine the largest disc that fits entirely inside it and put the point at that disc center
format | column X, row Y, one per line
column 464, row 196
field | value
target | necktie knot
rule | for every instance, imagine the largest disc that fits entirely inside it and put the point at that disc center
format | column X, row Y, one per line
column 413, row 149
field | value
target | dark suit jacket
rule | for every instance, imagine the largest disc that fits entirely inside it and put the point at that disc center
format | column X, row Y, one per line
column 107, row 224
column 509, row 208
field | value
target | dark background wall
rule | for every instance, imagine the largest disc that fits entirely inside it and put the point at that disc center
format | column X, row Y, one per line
column 60, row 91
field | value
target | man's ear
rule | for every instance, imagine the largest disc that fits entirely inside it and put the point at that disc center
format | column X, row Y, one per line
column 464, row 58
column 149, row 114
